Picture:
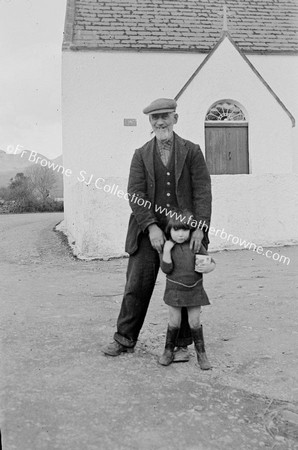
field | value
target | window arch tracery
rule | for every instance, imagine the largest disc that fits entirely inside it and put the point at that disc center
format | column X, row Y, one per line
column 225, row 111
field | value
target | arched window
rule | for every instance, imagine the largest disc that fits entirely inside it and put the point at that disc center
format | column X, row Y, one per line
column 225, row 110
column 226, row 138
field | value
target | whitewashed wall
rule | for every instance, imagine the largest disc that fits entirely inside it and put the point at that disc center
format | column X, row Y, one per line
column 281, row 72
column 260, row 209
column 101, row 89
column 227, row 76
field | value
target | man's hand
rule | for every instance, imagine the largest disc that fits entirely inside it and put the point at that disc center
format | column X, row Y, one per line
column 196, row 239
column 166, row 257
column 168, row 246
column 156, row 237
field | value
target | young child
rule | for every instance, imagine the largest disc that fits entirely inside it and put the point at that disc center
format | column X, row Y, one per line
column 184, row 286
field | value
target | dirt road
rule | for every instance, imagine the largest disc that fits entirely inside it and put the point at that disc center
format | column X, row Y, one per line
column 61, row 392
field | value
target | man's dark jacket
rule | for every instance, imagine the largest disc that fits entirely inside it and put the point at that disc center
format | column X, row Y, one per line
column 193, row 187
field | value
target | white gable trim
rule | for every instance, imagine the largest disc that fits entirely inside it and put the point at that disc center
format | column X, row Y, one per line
column 252, row 67
column 69, row 24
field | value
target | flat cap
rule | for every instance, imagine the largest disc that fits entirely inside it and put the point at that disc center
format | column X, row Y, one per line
column 161, row 105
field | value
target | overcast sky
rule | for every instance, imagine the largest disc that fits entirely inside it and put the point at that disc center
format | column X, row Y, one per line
column 31, row 33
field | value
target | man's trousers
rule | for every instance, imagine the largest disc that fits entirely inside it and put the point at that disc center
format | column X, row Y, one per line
column 141, row 276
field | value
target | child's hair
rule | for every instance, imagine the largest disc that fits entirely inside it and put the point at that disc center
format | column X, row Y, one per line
column 179, row 219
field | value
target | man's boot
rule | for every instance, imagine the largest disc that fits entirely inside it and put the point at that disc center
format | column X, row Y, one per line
column 168, row 355
column 197, row 334
column 115, row 349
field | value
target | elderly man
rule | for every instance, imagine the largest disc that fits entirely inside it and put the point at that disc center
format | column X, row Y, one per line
column 167, row 172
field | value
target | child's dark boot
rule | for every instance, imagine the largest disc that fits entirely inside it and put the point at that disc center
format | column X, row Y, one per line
column 197, row 334
column 168, row 355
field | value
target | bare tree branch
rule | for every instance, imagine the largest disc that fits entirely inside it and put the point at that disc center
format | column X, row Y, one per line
column 43, row 180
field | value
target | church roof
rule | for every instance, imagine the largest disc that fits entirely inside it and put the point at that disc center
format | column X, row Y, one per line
column 257, row 26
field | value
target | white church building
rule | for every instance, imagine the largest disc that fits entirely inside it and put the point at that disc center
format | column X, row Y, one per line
column 233, row 70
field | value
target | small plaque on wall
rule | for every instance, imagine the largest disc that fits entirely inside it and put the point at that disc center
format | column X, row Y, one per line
column 130, row 122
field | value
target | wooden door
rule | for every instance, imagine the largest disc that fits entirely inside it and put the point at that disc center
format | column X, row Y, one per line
column 226, row 147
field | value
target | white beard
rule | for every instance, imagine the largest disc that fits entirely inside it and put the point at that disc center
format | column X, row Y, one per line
column 162, row 134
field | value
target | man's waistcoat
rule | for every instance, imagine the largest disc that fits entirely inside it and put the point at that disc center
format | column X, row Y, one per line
column 165, row 195
column 192, row 187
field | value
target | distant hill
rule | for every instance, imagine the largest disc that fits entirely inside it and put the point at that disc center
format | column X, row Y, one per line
column 11, row 164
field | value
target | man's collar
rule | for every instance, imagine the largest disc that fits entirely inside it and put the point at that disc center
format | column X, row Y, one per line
column 166, row 143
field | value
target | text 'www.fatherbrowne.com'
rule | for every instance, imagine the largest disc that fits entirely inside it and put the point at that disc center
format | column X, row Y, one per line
column 100, row 183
